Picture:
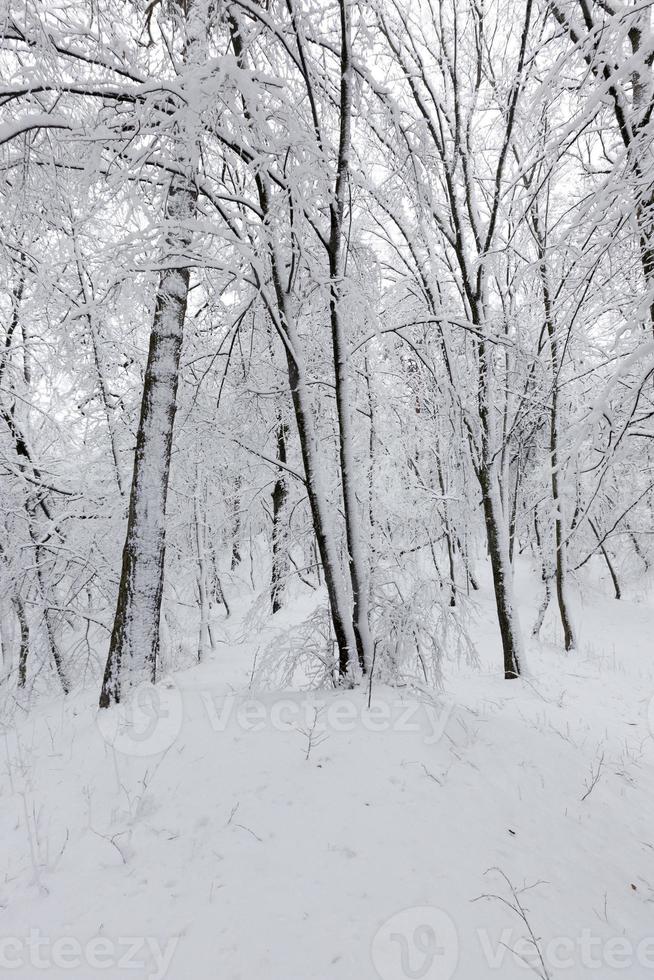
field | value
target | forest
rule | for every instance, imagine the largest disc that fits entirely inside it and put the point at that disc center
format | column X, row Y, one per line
column 327, row 407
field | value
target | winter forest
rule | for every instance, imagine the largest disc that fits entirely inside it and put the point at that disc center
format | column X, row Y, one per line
column 327, row 489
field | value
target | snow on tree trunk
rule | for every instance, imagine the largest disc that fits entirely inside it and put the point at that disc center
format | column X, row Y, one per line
column 134, row 645
column 204, row 600
column 323, row 524
column 560, row 543
column 23, row 652
column 344, row 396
column 279, row 495
column 498, row 550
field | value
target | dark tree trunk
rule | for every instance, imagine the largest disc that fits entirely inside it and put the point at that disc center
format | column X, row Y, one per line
column 448, row 533
column 545, row 578
column 342, row 378
column 607, row 559
column 514, row 510
column 236, row 525
column 559, row 538
column 499, row 558
column 48, row 619
column 340, row 617
column 279, row 495
column 321, row 514
column 134, row 646
column 24, row 649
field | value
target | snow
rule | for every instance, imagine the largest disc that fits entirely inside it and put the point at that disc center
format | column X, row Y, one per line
column 37, row 120
column 213, row 840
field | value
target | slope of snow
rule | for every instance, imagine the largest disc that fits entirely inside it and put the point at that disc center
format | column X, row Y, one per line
column 221, row 837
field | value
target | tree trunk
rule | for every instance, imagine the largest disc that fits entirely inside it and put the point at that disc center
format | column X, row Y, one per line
column 205, row 639
column 321, row 512
column 134, row 645
column 236, row 525
column 545, row 578
column 607, row 559
column 279, row 495
column 23, row 651
column 448, row 531
column 89, row 303
column 351, row 508
column 323, row 527
column 498, row 551
column 559, row 538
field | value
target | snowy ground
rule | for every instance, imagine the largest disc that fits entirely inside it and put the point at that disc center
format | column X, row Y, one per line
column 384, row 845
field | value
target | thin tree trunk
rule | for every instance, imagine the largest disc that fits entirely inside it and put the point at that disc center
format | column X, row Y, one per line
column 560, row 544
column 559, row 537
column 463, row 551
column 448, row 533
column 607, row 559
column 323, row 527
column 50, row 628
column 545, row 578
column 351, row 509
column 637, row 548
column 279, row 495
column 236, row 525
column 23, row 453
column 42, row 500
column 99, row 368
column 323, row 524
column 495, row 521
column 514, row 510
column 15, row 319
column 204, row 639
column 559, row 540
column 372, row 435
column 218, row 590
column 24, row 649
column 498, row 551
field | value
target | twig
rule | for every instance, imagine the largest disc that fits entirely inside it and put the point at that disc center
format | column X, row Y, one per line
column 595, row 775
column 518, row 908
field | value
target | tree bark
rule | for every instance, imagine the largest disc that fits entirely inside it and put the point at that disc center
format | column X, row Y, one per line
column 134, row 646
column 545, row 578
column 559, row 538
column 279, row 495
column 236, row 525
column 321, row 513
column 23, row 651
column 351, row 509
column 205, row 639
column 607, row 559
column 498, row 551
